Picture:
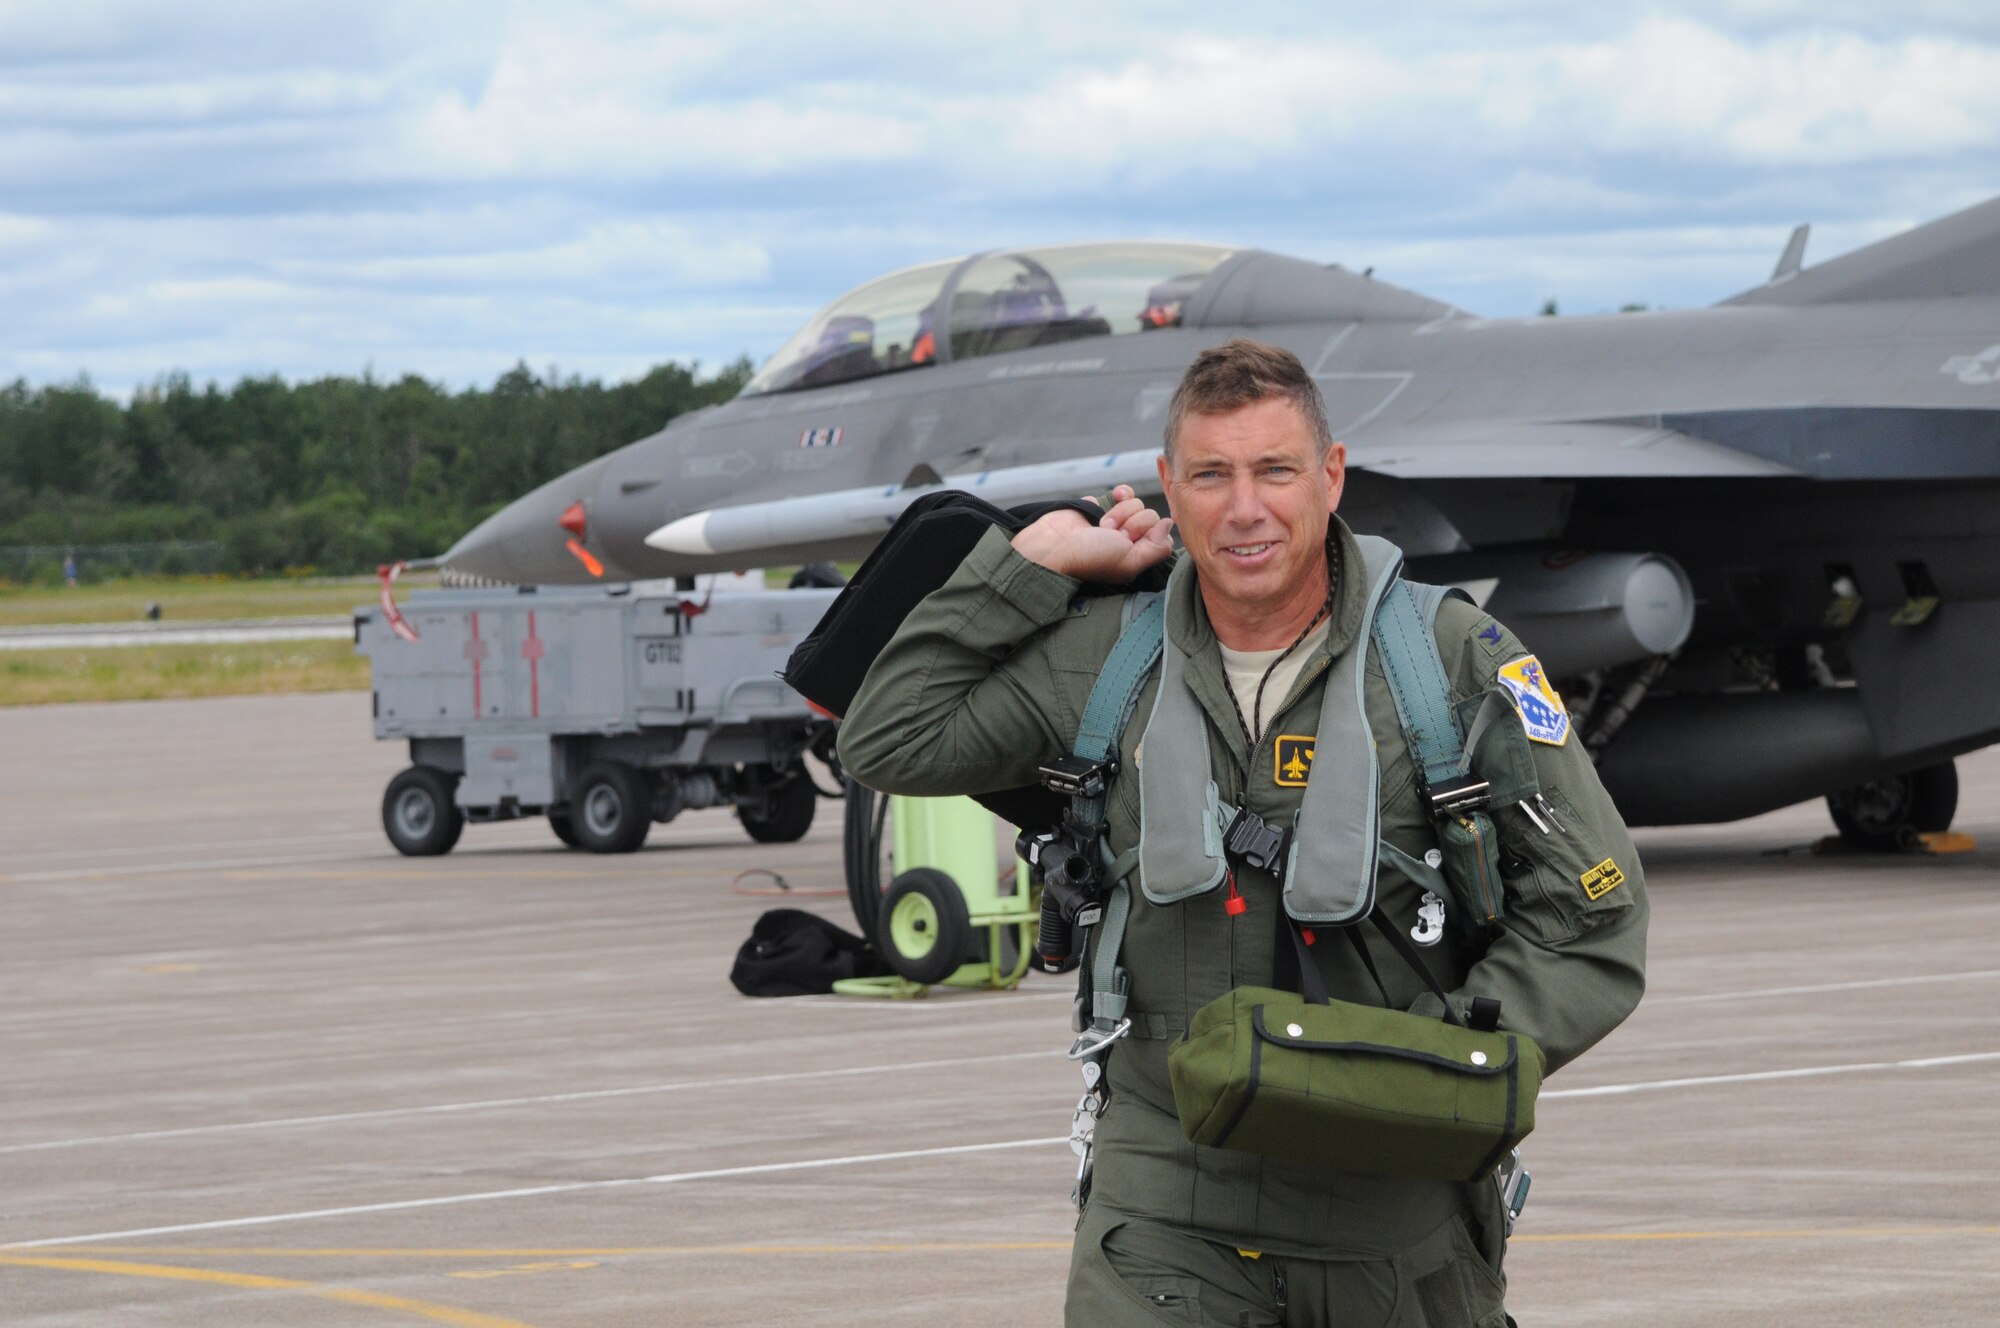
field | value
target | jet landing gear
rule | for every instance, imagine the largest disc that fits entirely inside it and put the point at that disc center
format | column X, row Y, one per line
column 1892, row 815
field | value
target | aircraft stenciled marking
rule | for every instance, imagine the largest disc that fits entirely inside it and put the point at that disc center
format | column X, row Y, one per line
column 1044, row 369
column 1333, row 343
column 729, row 465
column 1341, row 426
column 1974, row 370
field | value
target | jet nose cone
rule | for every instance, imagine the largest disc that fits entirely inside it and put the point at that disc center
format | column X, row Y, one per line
column 529, row 542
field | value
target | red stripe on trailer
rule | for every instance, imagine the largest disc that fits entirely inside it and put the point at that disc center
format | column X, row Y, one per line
column 477, row 650
column 532, row 650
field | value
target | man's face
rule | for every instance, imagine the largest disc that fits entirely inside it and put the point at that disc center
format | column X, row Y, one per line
column 1251, row 502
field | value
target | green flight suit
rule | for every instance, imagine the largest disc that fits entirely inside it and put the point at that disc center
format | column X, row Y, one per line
column 988, row 678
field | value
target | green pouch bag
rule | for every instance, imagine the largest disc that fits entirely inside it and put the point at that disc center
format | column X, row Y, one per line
column 1471, row 867
column 1354, row 1087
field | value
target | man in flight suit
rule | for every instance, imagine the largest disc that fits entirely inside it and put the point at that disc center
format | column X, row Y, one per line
column 987, row 680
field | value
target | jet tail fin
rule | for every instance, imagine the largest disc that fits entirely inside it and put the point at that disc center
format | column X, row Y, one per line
column 1794, row 256
column 1955, row 255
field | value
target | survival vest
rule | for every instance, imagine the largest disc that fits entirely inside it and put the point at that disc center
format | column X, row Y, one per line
column 1327, row 874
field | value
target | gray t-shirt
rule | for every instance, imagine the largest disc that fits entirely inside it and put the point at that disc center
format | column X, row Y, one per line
column 1245, row 669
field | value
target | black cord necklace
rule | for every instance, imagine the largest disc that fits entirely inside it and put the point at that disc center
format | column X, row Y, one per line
column 1250, row 735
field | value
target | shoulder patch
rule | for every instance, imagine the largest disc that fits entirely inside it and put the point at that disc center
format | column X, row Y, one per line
column 1291, row 760
column 1602, row 879
column 1541, row 707
column 1490, row 636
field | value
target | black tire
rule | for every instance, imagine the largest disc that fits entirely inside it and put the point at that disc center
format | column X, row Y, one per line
column 611, row 808
column 862, row 855
column 565, row 831
column 787, row 814
column 818, row 576
column 925, row 931
column 1886, row 815
column 419, row 814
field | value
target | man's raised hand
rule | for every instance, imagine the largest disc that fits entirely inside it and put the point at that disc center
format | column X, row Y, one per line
column 1124, row 542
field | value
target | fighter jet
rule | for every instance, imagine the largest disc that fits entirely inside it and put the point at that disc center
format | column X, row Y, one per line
column 1756, row 546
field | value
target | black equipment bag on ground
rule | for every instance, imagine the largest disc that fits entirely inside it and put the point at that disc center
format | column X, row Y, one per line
column 795, row 953
column 921, row 551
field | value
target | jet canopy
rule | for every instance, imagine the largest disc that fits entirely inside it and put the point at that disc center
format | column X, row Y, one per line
column 988, row 304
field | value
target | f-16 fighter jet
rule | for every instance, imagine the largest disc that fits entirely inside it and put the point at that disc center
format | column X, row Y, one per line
column 1756, row 547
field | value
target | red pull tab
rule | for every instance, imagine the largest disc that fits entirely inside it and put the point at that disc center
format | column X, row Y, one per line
column 1234, row 904
column 1306, row 935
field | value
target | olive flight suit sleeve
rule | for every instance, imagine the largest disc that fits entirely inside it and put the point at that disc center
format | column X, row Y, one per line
column 959, row 701
column 1569, row 963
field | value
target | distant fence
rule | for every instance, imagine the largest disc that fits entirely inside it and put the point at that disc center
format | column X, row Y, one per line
column 45, row 562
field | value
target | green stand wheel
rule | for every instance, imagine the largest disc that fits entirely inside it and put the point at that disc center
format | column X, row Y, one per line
column 926, row 931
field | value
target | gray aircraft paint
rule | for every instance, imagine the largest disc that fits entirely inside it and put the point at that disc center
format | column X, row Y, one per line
column 1844, row 415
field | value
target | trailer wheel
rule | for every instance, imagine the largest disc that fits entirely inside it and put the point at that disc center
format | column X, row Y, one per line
column 565, row 830
column 611, row 808
column 1885, row 815
column 925, row 930
column 788, row 812
column 419, row 814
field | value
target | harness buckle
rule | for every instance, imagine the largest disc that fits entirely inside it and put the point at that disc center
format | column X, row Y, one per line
column 1462, row 793
column 1091, row 1043
column 1073, row 776
column 1256, row 841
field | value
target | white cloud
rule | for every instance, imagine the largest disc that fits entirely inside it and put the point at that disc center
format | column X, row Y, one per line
column 234, row 186
column 1810, row 99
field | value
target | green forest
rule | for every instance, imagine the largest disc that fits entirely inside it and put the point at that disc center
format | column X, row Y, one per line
column 332, row 476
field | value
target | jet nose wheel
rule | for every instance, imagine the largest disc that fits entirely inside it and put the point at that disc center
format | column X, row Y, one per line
column 1887, row 815
column 925, row 928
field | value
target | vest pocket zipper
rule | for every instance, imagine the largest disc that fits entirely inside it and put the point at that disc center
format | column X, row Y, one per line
column 1482, row 856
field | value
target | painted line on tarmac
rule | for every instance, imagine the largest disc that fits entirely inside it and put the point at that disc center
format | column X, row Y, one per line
column 422, row 1309
column 173, row 868
column 537, row 1191
column 490, row 1104
column 1760, row 1076
column 1823, row 987
column 688, row 834
column 140, row 850
column 941, row 1246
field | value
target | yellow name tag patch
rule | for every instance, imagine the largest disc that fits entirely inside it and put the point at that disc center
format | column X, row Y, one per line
column 1292, row 760
column 1602, row 879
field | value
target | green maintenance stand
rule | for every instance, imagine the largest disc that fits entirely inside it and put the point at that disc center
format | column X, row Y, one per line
column 950, row 915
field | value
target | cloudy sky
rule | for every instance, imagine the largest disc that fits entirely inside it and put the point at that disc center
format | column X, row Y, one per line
column 443, row 187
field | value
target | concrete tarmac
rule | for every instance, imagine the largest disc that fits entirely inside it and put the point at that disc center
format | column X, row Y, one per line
column 259, row 1069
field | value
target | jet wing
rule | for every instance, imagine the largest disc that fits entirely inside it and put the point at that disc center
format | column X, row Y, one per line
column 1605, row 449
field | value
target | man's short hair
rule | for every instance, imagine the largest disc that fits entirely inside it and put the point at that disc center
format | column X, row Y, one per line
column 1236, row 374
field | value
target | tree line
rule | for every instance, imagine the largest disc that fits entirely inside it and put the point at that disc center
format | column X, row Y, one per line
column 334, row 475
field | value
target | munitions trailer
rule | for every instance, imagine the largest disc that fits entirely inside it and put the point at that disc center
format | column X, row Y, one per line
column 603, row 708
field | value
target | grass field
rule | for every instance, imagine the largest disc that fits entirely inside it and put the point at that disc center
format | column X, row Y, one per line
column 150, row 673
column 195, row 597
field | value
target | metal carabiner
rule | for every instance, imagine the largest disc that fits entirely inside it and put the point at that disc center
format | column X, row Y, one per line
column 1088, row 1044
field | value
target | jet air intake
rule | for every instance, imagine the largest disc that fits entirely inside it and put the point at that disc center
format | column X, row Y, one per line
column 1579, row 612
